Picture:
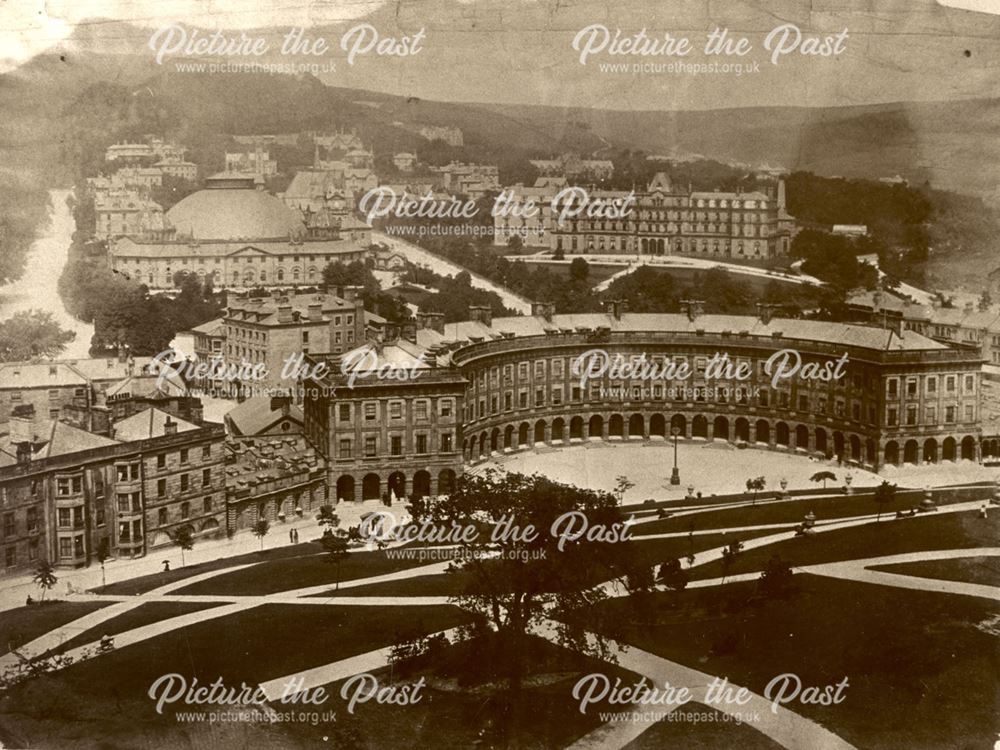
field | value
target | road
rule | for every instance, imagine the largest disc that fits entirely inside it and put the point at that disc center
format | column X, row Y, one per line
column 38, row 288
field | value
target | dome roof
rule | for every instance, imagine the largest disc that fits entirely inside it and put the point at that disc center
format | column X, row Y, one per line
column 226, row 213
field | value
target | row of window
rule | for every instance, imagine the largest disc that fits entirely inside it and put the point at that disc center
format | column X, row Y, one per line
column 371, row 448
column 911, row 415
column 395, row 409
column 912, row 385
column 10, row 556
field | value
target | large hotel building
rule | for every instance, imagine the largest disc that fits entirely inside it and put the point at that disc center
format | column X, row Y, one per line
column 664, row 219
column 491, row 386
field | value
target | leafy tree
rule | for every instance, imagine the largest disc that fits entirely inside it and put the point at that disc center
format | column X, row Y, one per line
column 518, row 580
column 776, row 578
column 622, row 485
column 32, row 333
column 260, row 530
column 579, row 269
column 755, row 485
column 336, row 549
column 673, row 576
column 729, row 555
column 885, row 493
column 823, row 476
column 184, row 538
column 45, row 577
column 102, row 554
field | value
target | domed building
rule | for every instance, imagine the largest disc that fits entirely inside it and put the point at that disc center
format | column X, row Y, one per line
column 241, row 236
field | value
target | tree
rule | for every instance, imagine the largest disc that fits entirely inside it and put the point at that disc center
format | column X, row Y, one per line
column 729, row 555
column 103, row 553
column 184, row 538
column 32, row 333
column 326, row 517
column 579, row 269
column 673, row 576
column 776, row 578
column 45, row 578
column 885, row 493
column 260, row 530
column 559, row 254
column 336, row 549
column 622, row 485
column 755, row 485
column 518, row 580
column 823, row 476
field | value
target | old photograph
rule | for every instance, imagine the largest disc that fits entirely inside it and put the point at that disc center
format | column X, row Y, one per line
column 500, row 374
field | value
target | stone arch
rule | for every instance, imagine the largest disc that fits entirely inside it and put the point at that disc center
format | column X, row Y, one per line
column 699, row 426
column 679, row 421
column 345, row 488
column 540, row 431
column 371, row 487
column 720, row 429
column 742, row 430
column 892, row 453
column 636, row 426
column 495, row 440
column 522, row 434
column 209, row 524
column 948, row 449
column 838, row 444
column 482, row 443
column 558, row 429
column 763, row 431
column 576, row 428
column 446, row 481
column 910, row 452
column 855, row 442
column 871, row 452
column 396, row 485
column 821, row 446
column 657, row 425
column 802, row 437
column 422, row 483
column 508, row 436
column 931, row 450
column 969, row 448
column 596, row 427
column 781, row 434
column 616, row 426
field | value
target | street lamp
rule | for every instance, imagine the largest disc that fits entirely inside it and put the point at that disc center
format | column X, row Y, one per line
column 675, row 475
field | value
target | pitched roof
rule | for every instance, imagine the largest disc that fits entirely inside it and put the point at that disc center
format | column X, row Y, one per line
column 255, row 415
column 148, row 423
column 53, row 438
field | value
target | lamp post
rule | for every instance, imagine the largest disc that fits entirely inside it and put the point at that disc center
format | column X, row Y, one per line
column 675, row 475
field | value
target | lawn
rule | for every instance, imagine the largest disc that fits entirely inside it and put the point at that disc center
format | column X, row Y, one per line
column 921, row 673
column 110, row 692
column 707, row 734
column 928, row 531
column 144, row 614
column 299, row 572
column 982, row 570
column 24, row 624
column 143, row 584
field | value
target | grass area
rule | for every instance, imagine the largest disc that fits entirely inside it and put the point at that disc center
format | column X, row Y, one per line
column 143, row 584
column 24, row 624
column 109, row 694
column 890, row 537
column 299, row 572
column 456, row 714
column 921, row 674
column 982, row 570
column 701, row 733
column 144, row 614
column 786, row 511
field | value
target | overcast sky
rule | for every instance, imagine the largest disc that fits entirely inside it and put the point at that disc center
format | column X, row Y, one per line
column 522, row 51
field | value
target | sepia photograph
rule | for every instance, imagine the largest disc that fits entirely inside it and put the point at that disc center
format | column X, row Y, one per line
column 500, row 375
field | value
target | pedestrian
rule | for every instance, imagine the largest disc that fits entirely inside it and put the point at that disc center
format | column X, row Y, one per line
column 166, row 566
column 982, row 511
column 291, row 536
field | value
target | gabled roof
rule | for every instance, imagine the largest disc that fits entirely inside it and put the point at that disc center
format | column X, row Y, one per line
column 255, row 416
column 148, row 423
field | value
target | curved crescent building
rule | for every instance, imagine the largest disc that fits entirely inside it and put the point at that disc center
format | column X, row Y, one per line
column 242, row 237
column 491, row 386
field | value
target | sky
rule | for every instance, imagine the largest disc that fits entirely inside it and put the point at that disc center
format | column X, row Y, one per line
column 529, row 51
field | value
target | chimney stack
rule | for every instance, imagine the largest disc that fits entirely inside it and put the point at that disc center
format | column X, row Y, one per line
column 391, row 333
column 284, row 313
column 169, row 426
column 481, row 314
column 764, row 312
column 408, row 331
column 315, row 311
column 432, row 320
column 281, row 403
column 616, row 308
